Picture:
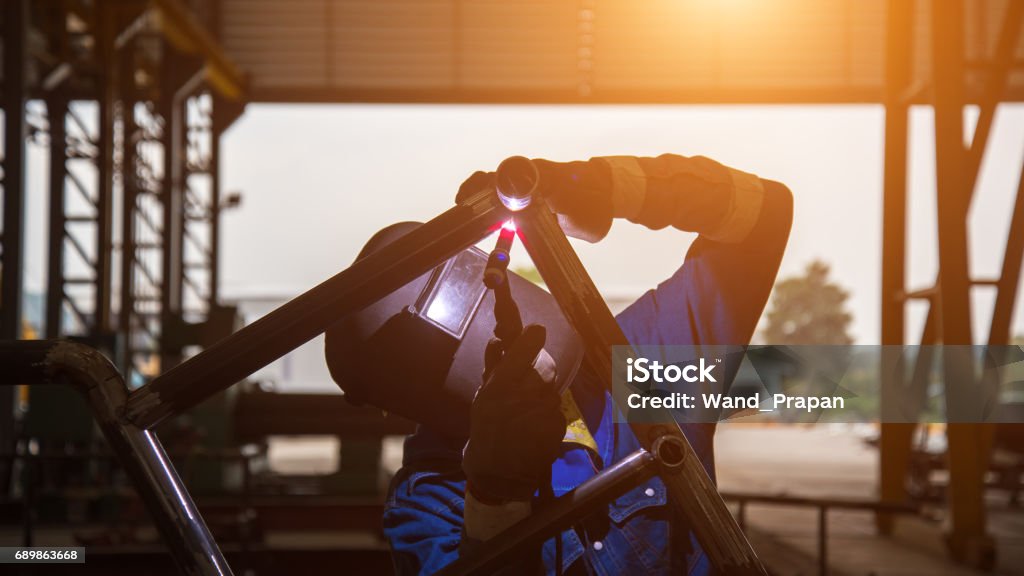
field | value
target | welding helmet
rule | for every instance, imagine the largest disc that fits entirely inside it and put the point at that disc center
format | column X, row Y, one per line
column 418, row 352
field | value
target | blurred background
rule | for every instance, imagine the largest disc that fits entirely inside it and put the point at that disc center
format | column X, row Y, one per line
column 174, row 170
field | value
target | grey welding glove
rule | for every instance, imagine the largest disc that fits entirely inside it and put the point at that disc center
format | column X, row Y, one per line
column 516, row 424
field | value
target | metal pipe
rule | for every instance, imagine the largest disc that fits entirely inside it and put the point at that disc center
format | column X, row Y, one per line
column 299, row 320
column 139, row 451
column 562, row 513
column 692, row 493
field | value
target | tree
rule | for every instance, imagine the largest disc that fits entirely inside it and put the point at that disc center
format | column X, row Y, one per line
column 808, row 309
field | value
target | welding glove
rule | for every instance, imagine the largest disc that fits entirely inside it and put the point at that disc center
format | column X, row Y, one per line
column 695, row 194
column 580, row 194
column 516, row 425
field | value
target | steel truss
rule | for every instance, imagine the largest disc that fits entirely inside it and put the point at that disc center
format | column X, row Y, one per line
column 133, row 124
column 949, row 305
column 98, row 82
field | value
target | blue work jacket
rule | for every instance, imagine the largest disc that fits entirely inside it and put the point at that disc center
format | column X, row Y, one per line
column 715, row 297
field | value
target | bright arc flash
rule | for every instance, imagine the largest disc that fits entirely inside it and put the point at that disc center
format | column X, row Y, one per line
column 509, row 224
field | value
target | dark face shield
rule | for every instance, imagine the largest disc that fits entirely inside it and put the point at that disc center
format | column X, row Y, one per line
column 419, row 351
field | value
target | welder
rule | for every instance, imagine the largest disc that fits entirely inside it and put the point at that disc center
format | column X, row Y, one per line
column 509, row 418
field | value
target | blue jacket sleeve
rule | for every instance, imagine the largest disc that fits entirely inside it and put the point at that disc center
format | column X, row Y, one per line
column 716, row 297
column 423, row 519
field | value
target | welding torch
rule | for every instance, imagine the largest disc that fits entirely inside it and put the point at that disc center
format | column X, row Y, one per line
column 516, row 181
column 508, row 323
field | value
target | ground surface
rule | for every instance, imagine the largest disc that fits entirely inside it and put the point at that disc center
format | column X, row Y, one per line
column 821, row 461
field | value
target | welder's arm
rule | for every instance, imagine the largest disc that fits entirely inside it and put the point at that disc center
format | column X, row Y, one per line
column 743, row 222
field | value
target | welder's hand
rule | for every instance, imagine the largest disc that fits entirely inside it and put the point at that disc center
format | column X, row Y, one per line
column 580, row 193
column 516, row 425
column 475, row 183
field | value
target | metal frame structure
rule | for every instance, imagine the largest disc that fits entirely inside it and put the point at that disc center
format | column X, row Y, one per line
column 949, row 306
column 128, row 146
column 126, row 97
column 126, row 417
column 98, row 82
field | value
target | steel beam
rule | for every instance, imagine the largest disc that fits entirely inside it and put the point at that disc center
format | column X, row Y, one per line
column 996, row 82
column 15, row 132
column 1009, row 277
column 180, row 28
column 995, row 90
column 692, row 493
column 171, row 110
column 222, row 116
column 129, row 204
column 56, row 109
column 215, row 208
column 895, row 441
column 107, row 88
column 11, row 267
column 968, row 539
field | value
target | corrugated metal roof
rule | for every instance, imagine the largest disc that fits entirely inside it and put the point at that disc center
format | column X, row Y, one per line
column 579, row 50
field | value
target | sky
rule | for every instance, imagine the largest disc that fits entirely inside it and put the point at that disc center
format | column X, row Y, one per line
column 318, row 180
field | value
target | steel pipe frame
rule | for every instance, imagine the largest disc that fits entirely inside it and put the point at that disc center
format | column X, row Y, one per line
column 42, row 362
column 173, row 511
column 310, row 314
column 559, row 515
column 692, row 492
